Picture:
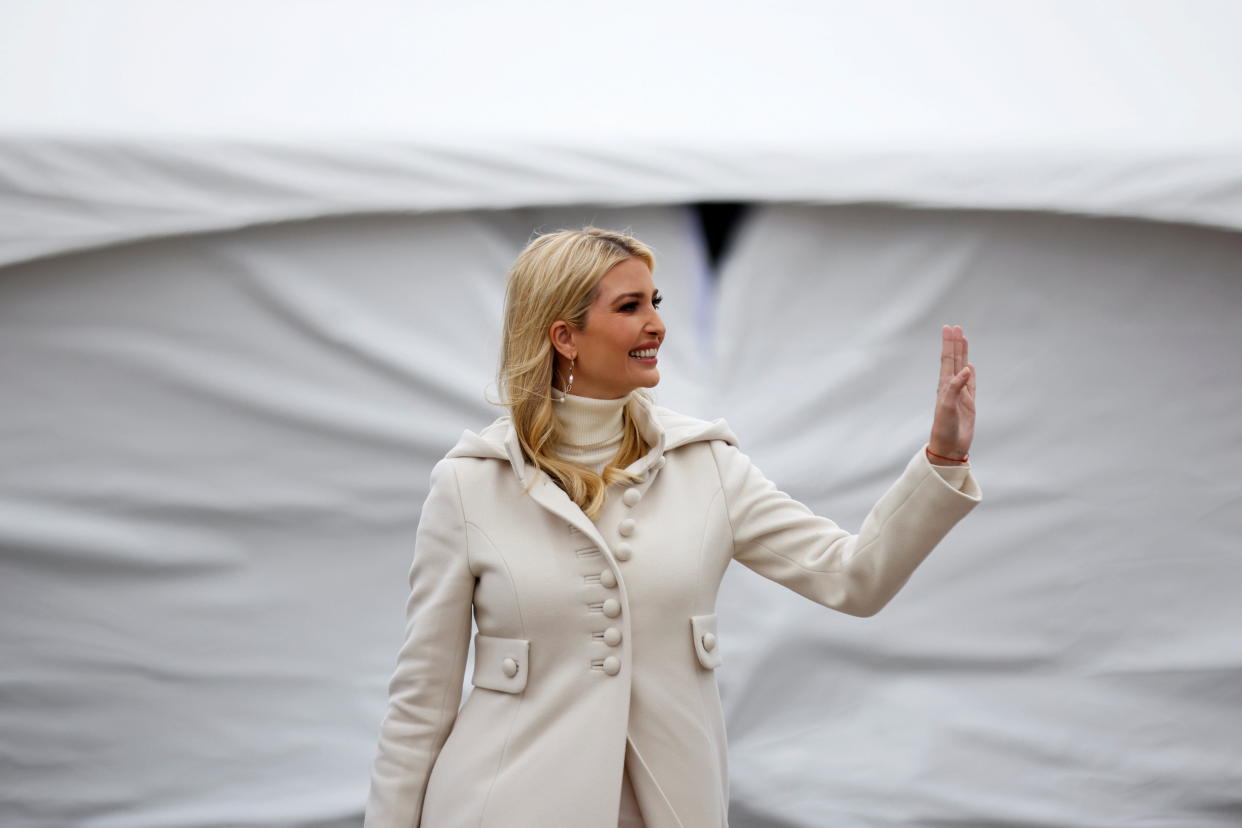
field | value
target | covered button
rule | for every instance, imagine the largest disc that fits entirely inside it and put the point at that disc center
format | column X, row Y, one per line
column 612, row 636
column 612, row 665
column 510, row 667
column 631, row 497
column 612, row 608
column 626, row 527
column 623, row 551
column 709, row 642
column 608, row 578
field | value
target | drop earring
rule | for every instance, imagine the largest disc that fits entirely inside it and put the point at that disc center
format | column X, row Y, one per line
column 569, row 383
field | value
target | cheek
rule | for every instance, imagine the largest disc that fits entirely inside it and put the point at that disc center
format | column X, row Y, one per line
column 626, row 342
column 619, row 340
column 614, row 344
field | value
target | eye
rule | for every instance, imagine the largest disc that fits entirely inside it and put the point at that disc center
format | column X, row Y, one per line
column 630, row 307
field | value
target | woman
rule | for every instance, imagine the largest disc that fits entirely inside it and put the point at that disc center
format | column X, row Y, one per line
column 589, row 530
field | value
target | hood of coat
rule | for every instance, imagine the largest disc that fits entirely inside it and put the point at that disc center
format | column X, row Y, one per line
column 662, row 428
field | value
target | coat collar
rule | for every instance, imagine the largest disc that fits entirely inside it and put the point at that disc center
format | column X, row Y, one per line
column 662, row 429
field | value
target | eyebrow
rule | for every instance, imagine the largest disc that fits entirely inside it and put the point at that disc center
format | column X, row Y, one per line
column 634, row 294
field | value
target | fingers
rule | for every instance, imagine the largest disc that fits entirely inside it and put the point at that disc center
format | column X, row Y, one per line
column 958, row 349
column 961, row 391
column 946, row 356
column 954, row 353
column 962, row 383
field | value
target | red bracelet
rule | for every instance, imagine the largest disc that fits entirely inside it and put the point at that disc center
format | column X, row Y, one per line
column 965, row 459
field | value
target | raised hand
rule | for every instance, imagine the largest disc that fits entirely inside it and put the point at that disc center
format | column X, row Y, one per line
column 953, row 424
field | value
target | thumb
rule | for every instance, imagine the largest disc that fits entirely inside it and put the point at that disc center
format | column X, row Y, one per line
column 963, row 376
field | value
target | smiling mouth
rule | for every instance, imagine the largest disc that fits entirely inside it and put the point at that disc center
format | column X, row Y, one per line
column 645, row 355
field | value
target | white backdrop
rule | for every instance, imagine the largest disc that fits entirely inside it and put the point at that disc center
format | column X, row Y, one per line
column 128, row 119
column 251, row 263
column 216, row 448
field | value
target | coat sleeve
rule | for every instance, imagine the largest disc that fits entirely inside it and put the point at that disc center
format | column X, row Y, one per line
column 784, row 541
column 425, row 690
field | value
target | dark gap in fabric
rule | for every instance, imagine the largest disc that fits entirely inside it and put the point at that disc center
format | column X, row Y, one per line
column 718, row 219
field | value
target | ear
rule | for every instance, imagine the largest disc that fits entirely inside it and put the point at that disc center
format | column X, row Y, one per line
column 562, row 337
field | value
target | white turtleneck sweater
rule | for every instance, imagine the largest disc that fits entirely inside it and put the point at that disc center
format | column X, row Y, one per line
column 591, row 429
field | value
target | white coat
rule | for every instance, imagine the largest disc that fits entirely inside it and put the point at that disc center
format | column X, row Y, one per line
column 595, row 639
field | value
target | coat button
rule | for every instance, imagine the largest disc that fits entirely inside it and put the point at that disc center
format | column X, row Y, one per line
column 626, row 527
column 612, row 608
column 623, row 551
column 612, row 636
column 659, row 464
column 510, row 667
column 608, row 578
column 612, row 665
column 709, row 642
column 631, row 497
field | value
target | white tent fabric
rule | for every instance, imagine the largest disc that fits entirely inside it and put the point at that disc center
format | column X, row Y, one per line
column 216, row 448
column 251, row 264
column 138, row 118
column 68, row 194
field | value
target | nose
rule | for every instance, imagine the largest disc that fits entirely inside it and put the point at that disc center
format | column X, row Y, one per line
column 655, row 325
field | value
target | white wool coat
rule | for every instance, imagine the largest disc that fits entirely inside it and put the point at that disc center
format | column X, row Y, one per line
column 598, row 638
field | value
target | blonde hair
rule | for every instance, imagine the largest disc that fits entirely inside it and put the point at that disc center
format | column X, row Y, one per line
column 557, row 277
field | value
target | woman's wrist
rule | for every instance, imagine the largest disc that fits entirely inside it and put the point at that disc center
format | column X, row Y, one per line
column 947, row 455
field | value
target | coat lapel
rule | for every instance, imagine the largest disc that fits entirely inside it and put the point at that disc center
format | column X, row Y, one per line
column 500, row 440
column 547, row 494
column 553, row 498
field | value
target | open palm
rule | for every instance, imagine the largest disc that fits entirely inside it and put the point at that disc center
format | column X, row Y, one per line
column 953, row 424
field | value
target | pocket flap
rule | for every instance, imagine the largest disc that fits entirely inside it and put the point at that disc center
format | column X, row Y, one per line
column 706, row 647
column 500, row 663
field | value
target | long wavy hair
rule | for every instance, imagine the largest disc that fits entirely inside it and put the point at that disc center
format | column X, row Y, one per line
column 557, row 277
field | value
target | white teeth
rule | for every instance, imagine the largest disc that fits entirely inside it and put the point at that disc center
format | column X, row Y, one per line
column 647, row 354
